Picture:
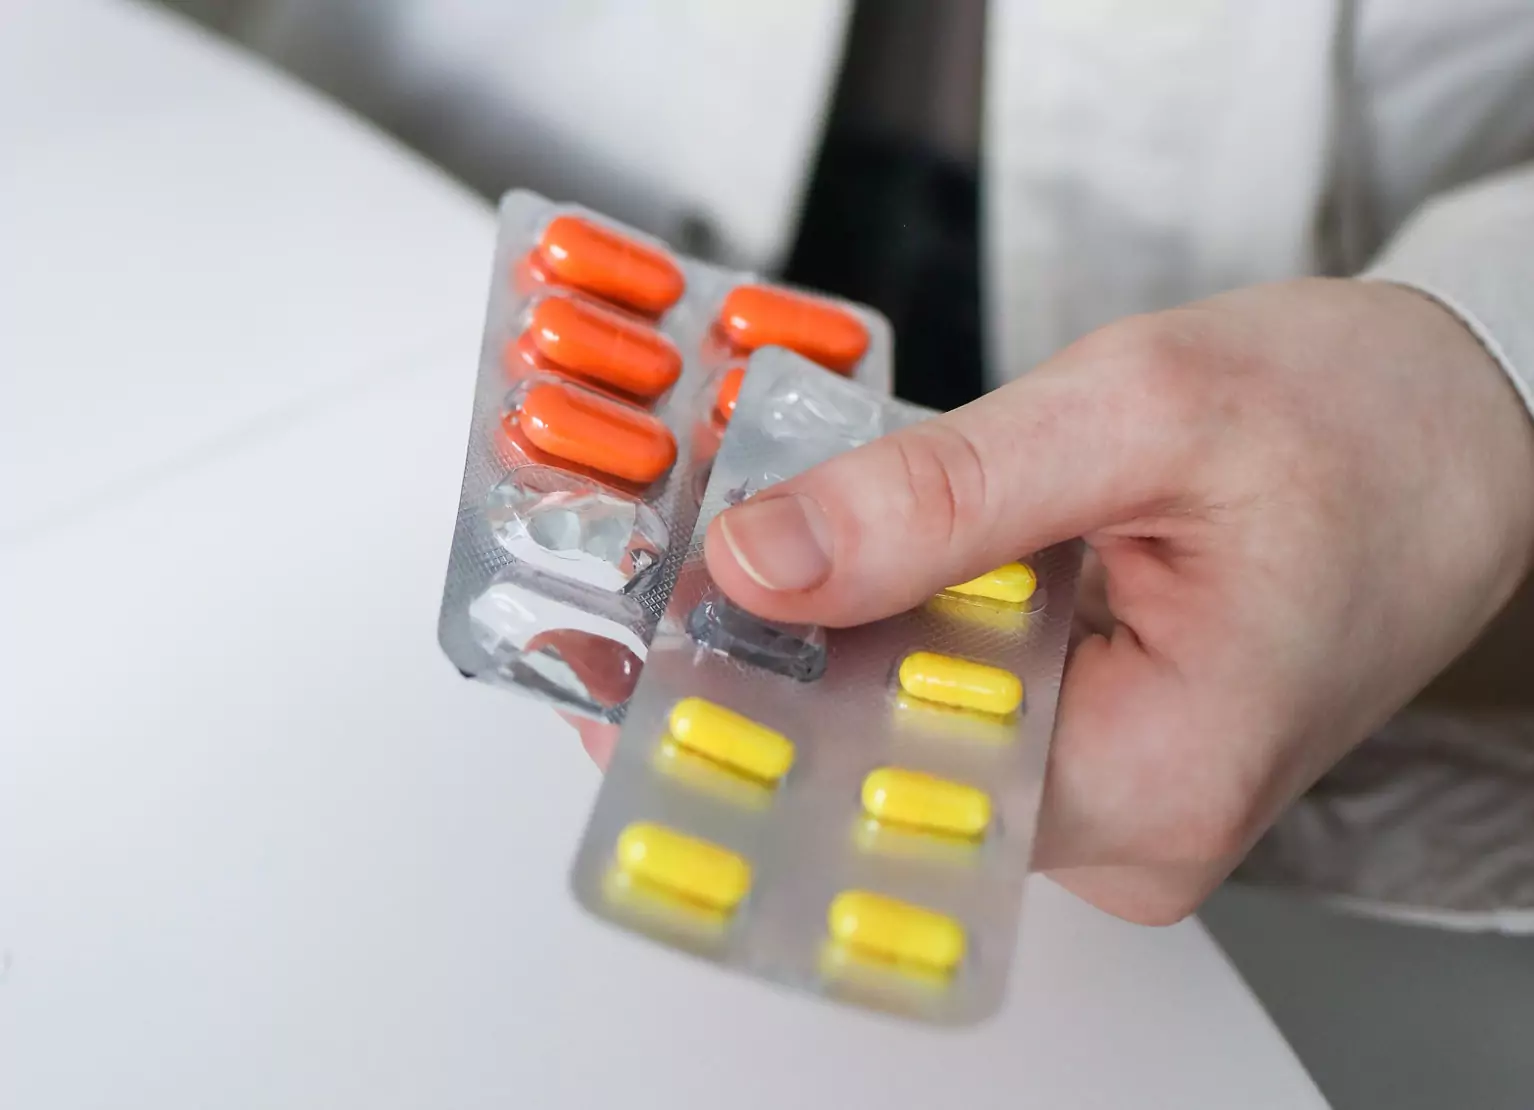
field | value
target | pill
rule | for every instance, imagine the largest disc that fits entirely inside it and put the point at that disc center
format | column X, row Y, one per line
column 960, row 683
column 755, row 316
column 894, row 931
column 726, row 737
column 1013, row 583
column 585, row 428
column 729, row 393
column 601, row 261
column 684, row 866
column 600, row 344
column 926, row 802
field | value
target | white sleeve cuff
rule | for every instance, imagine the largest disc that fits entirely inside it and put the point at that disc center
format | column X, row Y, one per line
column 1472, row 250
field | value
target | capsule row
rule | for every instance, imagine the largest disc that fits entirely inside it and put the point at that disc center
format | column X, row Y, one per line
column 594, row 429
column 625, row 355
column 622, row 352
column 596, row 433
column 861, row 922
column 764, row 755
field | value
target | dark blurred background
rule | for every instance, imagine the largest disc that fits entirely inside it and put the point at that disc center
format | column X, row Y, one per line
column 892, row 213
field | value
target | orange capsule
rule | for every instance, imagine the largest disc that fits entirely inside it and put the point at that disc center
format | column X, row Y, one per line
column 755, row 316
column 602, row 262
column 602, row 345
column 729, row 393
column 590, row 430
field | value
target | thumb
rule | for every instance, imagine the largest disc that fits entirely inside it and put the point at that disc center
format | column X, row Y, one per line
column 1074, row 447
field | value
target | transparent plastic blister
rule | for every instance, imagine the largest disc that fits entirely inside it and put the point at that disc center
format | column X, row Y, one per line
column 606, row 378
column 788, row 759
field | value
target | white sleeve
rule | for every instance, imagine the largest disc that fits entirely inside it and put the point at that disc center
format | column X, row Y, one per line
column 1472, row 250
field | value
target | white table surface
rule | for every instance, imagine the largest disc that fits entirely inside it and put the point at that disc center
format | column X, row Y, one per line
column 260, row 846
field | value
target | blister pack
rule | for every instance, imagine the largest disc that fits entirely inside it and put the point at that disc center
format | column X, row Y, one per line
column 846, row 811
column 608, row 372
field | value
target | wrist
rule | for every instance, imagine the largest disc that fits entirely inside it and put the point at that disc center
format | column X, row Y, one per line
column 1504, row 443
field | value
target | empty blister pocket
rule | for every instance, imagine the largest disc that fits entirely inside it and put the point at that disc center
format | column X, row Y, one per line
column 796, row 651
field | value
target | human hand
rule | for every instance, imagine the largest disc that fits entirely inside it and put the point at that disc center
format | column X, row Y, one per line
column 1302, row 500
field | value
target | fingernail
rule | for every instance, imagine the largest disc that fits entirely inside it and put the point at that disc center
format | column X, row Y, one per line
column 783, row 543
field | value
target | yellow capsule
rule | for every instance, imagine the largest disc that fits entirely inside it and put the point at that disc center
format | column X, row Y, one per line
column 683, row 866
column 960, row 683
column 1013, row 583
column 737, row 742
column 926, row 802
column 894, row 931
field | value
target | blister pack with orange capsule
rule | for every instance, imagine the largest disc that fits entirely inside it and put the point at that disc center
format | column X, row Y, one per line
column 607, row 375
column 848, row 812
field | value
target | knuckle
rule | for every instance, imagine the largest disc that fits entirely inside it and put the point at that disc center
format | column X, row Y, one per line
column 944, row 475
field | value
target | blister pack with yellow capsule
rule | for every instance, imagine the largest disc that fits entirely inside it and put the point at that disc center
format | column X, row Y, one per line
column 609, row 369
column 849, row 812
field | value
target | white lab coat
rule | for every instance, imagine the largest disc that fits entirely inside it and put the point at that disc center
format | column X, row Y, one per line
column 1140, row 154
column 1137, row 153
